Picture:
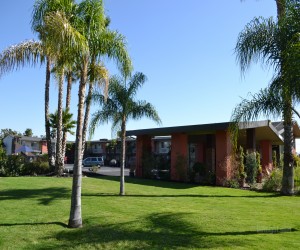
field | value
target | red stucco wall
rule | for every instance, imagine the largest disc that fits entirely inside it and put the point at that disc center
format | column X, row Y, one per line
column 179, row 147
column 266, row 155
column 223, row 157
column 143, row 144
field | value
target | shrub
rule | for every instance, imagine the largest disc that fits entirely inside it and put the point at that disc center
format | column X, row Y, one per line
column 251, row 167
column 181, row 167
column 273, row 182
column 297, row 179
column 35, row 168
column 94, row 169
column 148, row 164
column 241, row 166
column 13, row 165
column 232, row 183
column 296, row 159
column 200, row 168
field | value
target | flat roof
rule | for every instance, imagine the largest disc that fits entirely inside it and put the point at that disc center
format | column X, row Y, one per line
column 190, row 129
column 265, row 130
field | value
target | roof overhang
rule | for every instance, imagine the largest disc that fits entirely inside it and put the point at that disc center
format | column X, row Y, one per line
column 264, row 130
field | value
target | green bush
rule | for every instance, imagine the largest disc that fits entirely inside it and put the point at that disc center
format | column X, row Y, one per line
column 273, row 182
column 35, row 168
column 200, row 168
column 12, row 166
column 148, row 164
column 251, row 167
column 296, row 161
column 297, row 179
column 181, row 167
column 232, row 183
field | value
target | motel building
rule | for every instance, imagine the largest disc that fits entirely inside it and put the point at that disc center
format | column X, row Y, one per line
column 211, row 145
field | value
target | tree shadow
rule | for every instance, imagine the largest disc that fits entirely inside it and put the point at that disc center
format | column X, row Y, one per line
column 33, row 224
column 44, row 196
column 146, row 182
column 180, row 195
column 159, row 231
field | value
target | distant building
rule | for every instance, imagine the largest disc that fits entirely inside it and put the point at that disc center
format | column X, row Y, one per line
column 38, row 145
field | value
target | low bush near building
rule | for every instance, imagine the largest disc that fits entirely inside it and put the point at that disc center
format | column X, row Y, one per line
column 12, row 165
column 18, row 165
column 35, row 168
column 273, row 182
column 181, row 167
column 251, row 167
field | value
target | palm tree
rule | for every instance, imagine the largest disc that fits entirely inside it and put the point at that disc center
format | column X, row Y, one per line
column 65, row 33
column 68, row 123
column 40, row 10
column 103, row 43
column 271, row 42
column 119, row 108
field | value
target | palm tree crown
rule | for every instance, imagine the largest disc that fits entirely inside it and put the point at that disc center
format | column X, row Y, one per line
column 121, row 104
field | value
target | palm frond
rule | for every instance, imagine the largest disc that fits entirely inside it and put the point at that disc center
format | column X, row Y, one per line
column 43, row 7
column 62, row 37
column 136, row 81
column 142, row 109
column 113, row 45
column 27, row 53
column 258, row 42
column 266, row 102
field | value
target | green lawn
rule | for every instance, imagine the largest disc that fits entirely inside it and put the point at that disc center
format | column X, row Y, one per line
column 34, row 212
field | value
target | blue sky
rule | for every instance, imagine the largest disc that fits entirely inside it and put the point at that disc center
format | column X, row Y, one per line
column 185, row 48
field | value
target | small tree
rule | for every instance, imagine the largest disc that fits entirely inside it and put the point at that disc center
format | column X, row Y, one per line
column 241, row 157
column 251, row 167
column 121, row 106
column 28, row 132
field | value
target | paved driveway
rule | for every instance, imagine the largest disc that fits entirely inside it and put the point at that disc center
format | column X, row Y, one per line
column 109, row 171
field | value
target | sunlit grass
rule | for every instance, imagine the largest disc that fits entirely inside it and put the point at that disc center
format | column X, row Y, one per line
column 154, row 215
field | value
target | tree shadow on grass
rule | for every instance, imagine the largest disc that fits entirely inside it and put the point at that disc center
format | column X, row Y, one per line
column 44, row 196
column 33, row 224
column 146, row 182
column 180, row 195
column 156, row 231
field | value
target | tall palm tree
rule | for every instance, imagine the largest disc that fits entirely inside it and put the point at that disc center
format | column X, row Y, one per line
column 40, row 10
column 67, row 36
column 271, row 42
column 103, row 43
column 87, row 20
column 119, row 108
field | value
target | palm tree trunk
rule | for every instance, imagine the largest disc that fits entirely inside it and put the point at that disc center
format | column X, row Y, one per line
column 123, row 154
column 87, row 115
column 69, row 89
column 281, row 4
column 59, row 163
column 288, row 168
column 47, row 124
column 75, row 219
column 68, row 101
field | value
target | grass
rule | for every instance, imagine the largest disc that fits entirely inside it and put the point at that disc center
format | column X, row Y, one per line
column 34, row 212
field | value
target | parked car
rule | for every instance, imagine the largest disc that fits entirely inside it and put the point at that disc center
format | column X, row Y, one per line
column 93, row 161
